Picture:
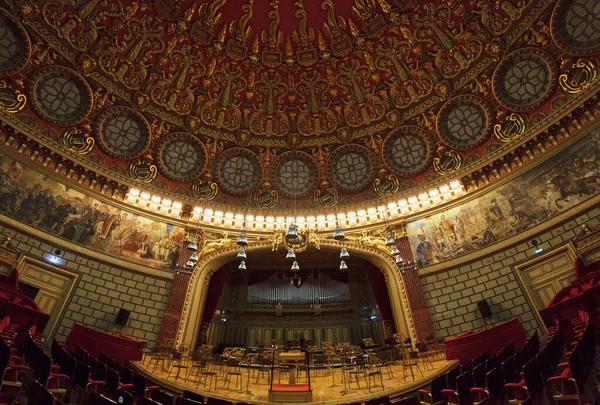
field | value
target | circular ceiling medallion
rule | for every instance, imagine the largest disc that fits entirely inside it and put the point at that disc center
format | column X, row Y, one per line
column 464, row 122
column 239, row 171
column 525, row 79
column 60, row 95
column 14, row 45
column 123, row 133
column 576, row 26
column 407, row 150
column 295, row 174
column 182, row 157
column 351, row 168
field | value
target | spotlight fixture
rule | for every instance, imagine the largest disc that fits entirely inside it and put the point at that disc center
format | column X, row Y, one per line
column 343, row 265
column 389, row 240
column 399, row 259
column 295, row 266
column 242, row 265
column 395, row 250
column 242, row 254
column 290, row 254
column 189, row 264
column 292, row 233
column 344, row 253
column 242, row 241
column 296, row 282
column 338, row 234
column 193, row 246
column 194, row 257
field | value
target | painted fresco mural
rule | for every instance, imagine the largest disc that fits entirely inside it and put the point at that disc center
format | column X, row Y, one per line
column 36, row 200
column 567, row 179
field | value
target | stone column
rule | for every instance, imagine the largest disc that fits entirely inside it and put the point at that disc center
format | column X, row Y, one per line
column 416, row 299
column 172, row 316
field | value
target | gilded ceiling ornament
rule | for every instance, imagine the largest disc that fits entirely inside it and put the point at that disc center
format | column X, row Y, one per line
column 125, row 60
column 366, row 238
column 181, row 157
column 366, row 11
column 12, row 100
column 448, row 162
column 222, row 109
column 362, row 105
column 511, row 127
column 326, row 197
column 386, row 184
column 409, row 82
column 80, row 31
column 407, row 150
column 271, row 93
column 205, row 190
column 304, row 37
column 334, row 27
column 315, row 118
column 60, row 95
column 178, row 94
column 266, row 198
column 525, row 79
column 209, row 15
column 142, row 170
column 581, row 75
column 77, row 141
column 575, row 26
column 240, row 32
column 272, row 37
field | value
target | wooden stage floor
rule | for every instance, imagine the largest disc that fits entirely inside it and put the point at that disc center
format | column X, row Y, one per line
column 321, row 385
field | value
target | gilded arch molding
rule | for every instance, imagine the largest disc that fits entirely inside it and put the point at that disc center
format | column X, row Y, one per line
column 189, row 324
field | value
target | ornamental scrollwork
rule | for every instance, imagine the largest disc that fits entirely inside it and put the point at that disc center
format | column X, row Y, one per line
column 512, row 126
column 142, row 171
column 581, row 75
column 449, row 162
column 78, row 141
column 12, row 100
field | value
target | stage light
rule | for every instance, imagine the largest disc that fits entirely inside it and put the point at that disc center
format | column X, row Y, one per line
column 395, row 250
column 189, row 264
column 193, row 246
column 290, row 254
column 343, row 265
column 344, row 253
column 389, row 240
column 295, row 266
column 242, row 254
column 194, row 257
column 338, row 234
column 399, row 259
column 242, row 265
column 292, row 233
column 242, row 239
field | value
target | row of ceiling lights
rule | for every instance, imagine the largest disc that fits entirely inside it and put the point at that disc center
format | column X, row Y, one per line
column 209, row 216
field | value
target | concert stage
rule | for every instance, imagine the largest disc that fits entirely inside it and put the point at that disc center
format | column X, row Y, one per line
column 321, row 384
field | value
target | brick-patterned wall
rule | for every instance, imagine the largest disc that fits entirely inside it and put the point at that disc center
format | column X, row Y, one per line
column 452, row 295
column 102, row 290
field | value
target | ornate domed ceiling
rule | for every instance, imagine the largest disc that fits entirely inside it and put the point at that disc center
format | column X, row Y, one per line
column 307, row 102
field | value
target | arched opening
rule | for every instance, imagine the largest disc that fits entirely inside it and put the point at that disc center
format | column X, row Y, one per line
column 272, row 276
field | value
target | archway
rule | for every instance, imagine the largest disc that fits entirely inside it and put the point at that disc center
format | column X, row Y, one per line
column 189, row 326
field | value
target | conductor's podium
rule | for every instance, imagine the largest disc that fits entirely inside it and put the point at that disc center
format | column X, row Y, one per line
column 292, row 392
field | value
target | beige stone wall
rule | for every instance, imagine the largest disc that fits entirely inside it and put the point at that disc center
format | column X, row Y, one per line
column 452, row 295
column 102, row 290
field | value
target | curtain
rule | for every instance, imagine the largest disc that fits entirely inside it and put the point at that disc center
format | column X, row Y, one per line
column 215, row 289
column 377, row 281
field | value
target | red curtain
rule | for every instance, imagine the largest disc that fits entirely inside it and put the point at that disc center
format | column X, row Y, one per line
column 377, row 281
column 215, row 289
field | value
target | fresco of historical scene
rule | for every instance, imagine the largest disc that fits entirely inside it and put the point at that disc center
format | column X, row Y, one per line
column 36, row 200
column 556, row 185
